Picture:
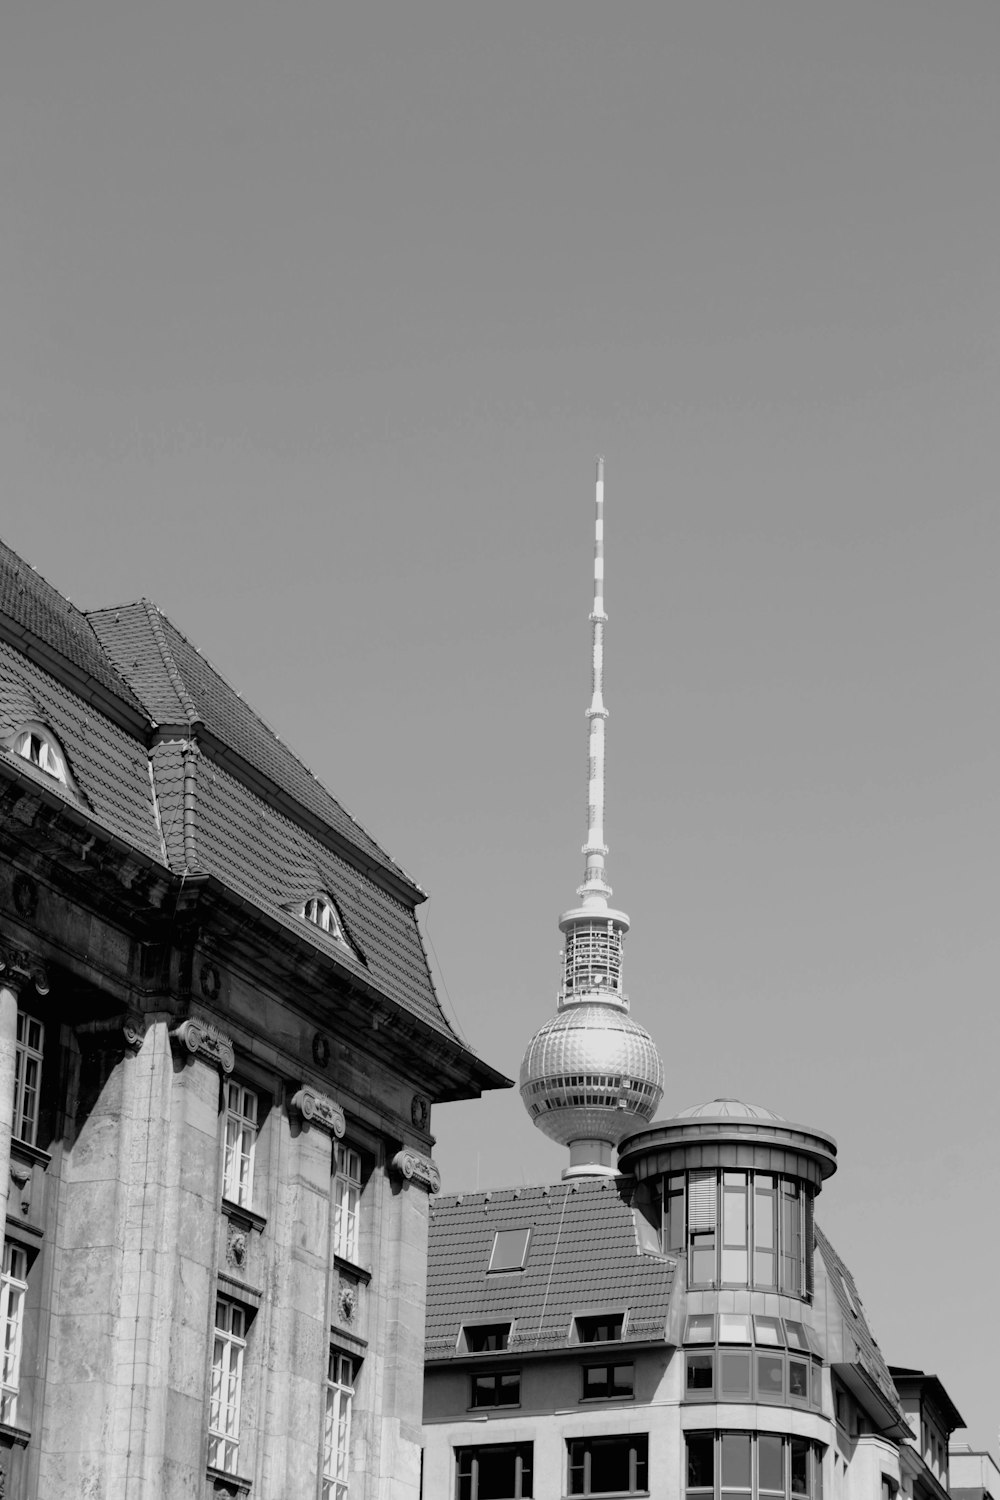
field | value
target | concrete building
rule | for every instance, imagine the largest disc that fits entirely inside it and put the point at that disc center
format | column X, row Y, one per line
column 668, row 1320
column 219, row 1049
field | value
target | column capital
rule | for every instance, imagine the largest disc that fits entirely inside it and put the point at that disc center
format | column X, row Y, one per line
column 201, row 1038
column 21, row 970
column 320, row 1110
column 123, row 1033
column 413, row 1167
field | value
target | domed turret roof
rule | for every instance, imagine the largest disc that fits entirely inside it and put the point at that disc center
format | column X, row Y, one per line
column 727, row 1109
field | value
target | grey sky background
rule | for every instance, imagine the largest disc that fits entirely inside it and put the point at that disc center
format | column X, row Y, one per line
column 314, row 319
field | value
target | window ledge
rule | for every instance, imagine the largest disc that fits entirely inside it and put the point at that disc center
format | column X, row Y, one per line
column 240, row 1291
column 33, row 1154
column 248, row 1217
column 607, row 1401
column 229, row 1484
column 19, row 1436
column 343, row 1264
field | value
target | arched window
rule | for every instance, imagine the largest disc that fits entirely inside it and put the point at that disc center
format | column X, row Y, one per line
column 321, row 911
column 36, row 745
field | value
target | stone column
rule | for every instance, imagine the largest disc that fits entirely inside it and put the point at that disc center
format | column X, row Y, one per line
column 18, row 971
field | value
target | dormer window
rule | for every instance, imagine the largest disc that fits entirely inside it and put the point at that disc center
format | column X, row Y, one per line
column 40, row 749
column 321, row 912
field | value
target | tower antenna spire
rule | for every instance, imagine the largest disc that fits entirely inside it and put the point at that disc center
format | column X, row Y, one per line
column 595, row 890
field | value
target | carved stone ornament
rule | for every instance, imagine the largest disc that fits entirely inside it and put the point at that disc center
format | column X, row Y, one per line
column 25, row 893
column 417, row 1168
column 209, row 981
column 420, row 1111
column 19, row 968
column 321, row 1050
column 206, row 1040
column 237, row 1248
column 320, row 1110
column 347, row 1301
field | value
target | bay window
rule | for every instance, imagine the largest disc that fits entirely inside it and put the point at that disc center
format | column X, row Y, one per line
column 752, row 1466
column 740, row 1228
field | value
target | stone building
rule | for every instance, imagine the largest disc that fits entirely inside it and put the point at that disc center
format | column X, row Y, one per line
column 668, row 1320
column 219, row 1049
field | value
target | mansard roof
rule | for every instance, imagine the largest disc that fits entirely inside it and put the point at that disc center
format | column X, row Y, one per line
column 583, row 1258
column 170, row 764
column 178, row 687
column 848, row 1336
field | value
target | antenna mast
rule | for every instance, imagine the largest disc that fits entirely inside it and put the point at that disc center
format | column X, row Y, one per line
column 595, row 889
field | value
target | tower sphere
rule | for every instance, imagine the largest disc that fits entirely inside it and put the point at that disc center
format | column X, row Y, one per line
column 591, row 1073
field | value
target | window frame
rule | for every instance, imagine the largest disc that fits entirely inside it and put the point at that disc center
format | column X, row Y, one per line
column 29, row 1063
column 240, row 1133
column 611, row 1393
column 225, row 1411
column 348, row 1189
column 580, row 1457
column 13, row 1293
column 468, row 1458
column 39, row 747
column 752, row 1228
column 338, row 1416
column 504, row 1238
column 472, row 1333
column 511, row 1377
column 717, row 1489
column 588, row 1328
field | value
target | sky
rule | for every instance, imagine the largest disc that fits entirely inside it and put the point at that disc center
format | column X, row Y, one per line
column 314, row 320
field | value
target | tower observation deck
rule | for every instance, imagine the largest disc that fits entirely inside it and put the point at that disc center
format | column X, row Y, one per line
column 591, row 1074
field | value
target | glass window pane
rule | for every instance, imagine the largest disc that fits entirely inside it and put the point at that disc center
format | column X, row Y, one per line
column 734, row 1266
column 767, row 1330
column 734, row 1328
column 795, row 1334
column 736, row 1461
column 700, row 1329
column 798, row 1379
column 734, row 1376
column 700, row 1372
column 770, row 1467
column 700, row 1461
column 799, row 1451
column 770, row 1377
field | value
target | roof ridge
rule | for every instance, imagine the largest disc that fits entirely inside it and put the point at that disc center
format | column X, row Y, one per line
column 156, row 617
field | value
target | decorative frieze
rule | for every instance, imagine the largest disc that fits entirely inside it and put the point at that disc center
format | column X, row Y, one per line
column 19, row 969
column 320, row 1110
column 203, row 1039
column 416, row 1168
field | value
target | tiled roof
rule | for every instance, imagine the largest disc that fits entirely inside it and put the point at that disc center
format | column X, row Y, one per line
column 177, row 685
column 270, row 861
column 583, row 1256
column 860, row 1342
column 109, row 767
column 35, row 607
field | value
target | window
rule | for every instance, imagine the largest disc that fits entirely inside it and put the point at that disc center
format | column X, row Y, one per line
column 510, row 1249
column 752, row 1466
column 603, row 1328
column 495, row 1471
column 496, row 1388
column 337, row 1425
column 486, row 1338
column 768, row 1373
column 607, row 1382
column 27, row 1076
column 346, row 1200
column 227, row 1385
column 744, row 1228
column 240, row 1144
column 13, row 1285
column 608, row 1465
column 321, row 912
column 40, row 749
